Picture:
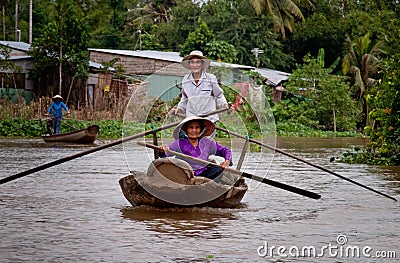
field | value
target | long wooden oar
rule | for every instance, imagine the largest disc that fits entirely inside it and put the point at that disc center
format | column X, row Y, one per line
column 304, row 161
column 71, row 126
column 244, row 174
column 99, row 148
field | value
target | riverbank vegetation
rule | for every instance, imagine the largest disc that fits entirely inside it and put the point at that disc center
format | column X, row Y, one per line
column 20, row 120
column 29, row 120
column 384, row 148
column 112, row 129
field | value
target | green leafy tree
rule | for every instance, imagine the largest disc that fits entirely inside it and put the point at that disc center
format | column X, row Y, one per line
column 384, row 148
column 143, row 21
column 116, row 5
column 348, row 6
column 362, row 62
column 172, row 35
column 106, row 21
column 221, row 51
column 386, row 115
column 321, row 100
column 319, row 31
column 198, row 39
column 336, row 105
column 7, row 65
column 283, row 13
column 236, row 22
column 62, row 46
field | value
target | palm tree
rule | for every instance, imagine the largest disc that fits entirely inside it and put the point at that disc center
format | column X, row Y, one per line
column 282, row 12
column 362, row 63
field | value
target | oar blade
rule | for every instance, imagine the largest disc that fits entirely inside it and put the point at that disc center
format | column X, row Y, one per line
column 283, row 186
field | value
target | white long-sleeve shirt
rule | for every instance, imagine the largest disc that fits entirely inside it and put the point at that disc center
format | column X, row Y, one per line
column 203, row 97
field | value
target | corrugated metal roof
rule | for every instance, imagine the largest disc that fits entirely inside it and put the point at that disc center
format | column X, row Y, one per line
column 98, row 66
column 22, row 46
column 19, row 57
column 160, row 55
column 274, row 77
column 16, row 57
column 16, row 45
column 163, row 55
column 231, row 65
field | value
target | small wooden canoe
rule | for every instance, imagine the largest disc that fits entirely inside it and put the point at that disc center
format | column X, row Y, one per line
column 169, row 182
column 84, row 136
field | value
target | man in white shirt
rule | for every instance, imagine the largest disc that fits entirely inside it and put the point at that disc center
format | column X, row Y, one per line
column 201, row 93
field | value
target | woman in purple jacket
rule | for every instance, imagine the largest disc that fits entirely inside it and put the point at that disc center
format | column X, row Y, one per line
column 190, row 141
column 57, row 105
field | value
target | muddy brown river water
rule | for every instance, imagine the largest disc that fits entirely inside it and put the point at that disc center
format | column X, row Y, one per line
column 75, row 212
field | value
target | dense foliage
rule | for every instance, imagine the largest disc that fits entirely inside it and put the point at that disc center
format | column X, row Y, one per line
column 360, row 38
column 384, row 148
column 109, row 129
column 61, row 47
column 286, row 30
column 318, row 99
column 114, row 129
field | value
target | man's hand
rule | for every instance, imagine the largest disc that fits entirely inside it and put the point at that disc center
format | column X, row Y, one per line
column 176, row 111
column 229, row 107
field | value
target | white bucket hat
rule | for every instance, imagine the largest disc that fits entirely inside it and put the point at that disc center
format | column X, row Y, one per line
column 196, row 54
column 208, row 126
column 57, row 97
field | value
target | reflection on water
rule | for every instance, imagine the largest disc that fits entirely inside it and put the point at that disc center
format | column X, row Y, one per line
column 76, row 212
column 316, row 143
column 192, row 222
column 391, row 175
column 291, row 217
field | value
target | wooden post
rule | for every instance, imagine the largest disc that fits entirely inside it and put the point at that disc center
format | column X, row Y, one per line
column 243, row 153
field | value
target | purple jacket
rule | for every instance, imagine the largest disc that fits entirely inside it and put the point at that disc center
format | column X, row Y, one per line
column 204, row 149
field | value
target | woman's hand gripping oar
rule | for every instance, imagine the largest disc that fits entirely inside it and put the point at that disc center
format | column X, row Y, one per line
column 244, row 174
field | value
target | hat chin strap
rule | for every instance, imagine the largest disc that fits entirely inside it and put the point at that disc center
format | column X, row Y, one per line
column 202, row 132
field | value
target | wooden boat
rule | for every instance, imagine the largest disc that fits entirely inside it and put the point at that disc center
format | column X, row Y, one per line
column 169, row 182
column 83, row 136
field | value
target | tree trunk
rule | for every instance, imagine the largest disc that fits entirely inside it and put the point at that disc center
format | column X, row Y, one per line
column 60, row 70
column 4, row 22
column 334, row 120
column 30, row 21
column 16, row 20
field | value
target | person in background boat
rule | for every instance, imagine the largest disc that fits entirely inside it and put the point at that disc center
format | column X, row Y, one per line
column 190, row 140
column 201, row 93
column 57, row 105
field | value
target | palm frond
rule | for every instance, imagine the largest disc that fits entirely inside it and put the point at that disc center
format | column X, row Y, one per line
column 257, row 6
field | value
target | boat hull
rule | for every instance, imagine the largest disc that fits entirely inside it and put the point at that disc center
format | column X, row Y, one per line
column 165, row 186
column 84, row 136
